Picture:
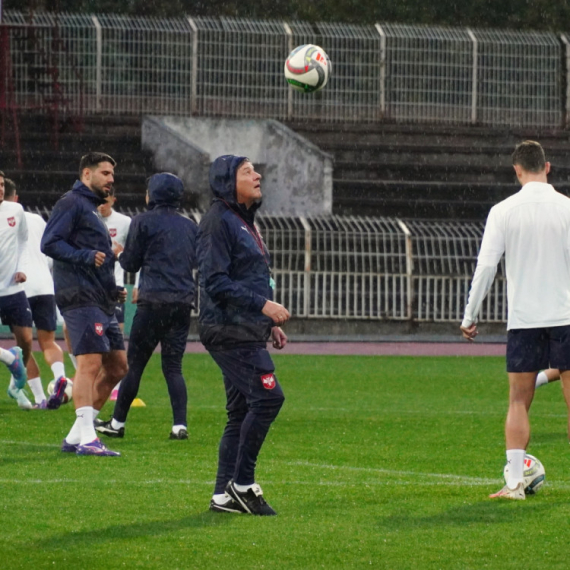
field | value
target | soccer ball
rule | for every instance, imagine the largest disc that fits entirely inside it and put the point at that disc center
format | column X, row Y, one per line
column 307, row 68
column 534, row 474
column 67, row 395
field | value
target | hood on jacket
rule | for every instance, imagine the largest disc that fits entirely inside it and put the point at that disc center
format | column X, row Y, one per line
column 223, row 177
column 165, row 188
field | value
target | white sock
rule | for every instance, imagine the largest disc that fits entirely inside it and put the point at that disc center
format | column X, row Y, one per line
column 6, row 356
column 117, row 425
column 37, row 389
column 515, row 459
column 58, row 370
column 95, row 413
column 243, row 488
column 73, row 360
column 12, row 383
column 176, row 429
column 74, row 435
column 220, row 499
column 541, row 379
column 85, row 422
column 117, row 386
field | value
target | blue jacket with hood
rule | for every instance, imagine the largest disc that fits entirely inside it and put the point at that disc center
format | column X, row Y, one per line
column 161, row 243
column 234, row 267
column 73, row 234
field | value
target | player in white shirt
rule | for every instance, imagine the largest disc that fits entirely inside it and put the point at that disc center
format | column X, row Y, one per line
column 532, row 229
column 118, row 226
column 40, row 293
column 14, row 307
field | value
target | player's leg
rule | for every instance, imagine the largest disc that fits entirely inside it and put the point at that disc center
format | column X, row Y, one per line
column 173, row 345
column 547, row 376
column 142, row 342
column 23, row 336
column 560, row 357
column 565, row 377
column 120, row 314
column 68, row 345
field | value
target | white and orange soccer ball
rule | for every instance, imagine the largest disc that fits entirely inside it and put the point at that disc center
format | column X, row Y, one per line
column 534, row 474
column 68, row 394
column 307, row 68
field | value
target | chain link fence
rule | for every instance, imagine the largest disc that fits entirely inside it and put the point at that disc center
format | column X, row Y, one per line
column 234, row 68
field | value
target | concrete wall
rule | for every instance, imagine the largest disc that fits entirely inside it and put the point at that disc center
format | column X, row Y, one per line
column 297, row 175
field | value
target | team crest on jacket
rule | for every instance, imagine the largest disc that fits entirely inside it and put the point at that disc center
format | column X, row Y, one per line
column 99, row 329
column 268, row 381
column 113, row 232
column 11, row 222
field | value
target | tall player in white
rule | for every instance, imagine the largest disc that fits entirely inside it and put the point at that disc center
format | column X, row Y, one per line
column 41, row 297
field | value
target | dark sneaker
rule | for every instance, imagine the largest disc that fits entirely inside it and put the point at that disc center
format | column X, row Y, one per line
column 106, row 428
column 17, row 368
column 252, row 500
column 68, row 447
column 182, row 434
column 229, row 506
column 96, row 448
column 56, row 399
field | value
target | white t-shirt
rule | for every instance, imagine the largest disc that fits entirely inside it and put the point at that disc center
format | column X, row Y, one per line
column 118, row 226
column 532, row 229
column 13, row 246
column 38, row 268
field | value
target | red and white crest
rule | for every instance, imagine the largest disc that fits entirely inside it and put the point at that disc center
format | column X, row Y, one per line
column 11, row 222
column 113, row 232
column 99, row 329
column 268, row 381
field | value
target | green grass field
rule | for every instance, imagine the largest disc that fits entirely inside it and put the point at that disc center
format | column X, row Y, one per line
column 382, row 462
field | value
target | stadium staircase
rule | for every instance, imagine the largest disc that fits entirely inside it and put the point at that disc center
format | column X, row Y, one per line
column 50, row 164
column 436, row 172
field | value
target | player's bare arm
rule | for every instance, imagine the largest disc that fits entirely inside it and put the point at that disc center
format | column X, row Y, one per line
column 279, row 338
column 20, row 277
column 99, row 258
column 278, row 313
column 469, row 332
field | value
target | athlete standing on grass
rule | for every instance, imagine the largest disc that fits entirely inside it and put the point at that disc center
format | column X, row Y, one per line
column 237, row 318
column 40, row 293
column 86, row 294
column 532, row 229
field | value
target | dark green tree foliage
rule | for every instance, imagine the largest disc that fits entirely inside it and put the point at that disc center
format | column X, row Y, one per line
column 520, row 14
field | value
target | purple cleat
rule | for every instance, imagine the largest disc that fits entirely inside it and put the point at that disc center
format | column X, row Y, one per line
column 56, row 399
column 96, row 448
column 40, row 405
column 68, row 447
column 17, row 368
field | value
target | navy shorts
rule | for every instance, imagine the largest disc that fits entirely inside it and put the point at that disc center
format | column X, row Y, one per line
column 531, row 350
column 249, row 372
column 92, row 331
column 44, row 313
column 120, row 312
column 15, row 310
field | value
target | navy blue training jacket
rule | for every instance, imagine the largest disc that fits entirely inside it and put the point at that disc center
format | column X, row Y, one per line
column 74, row 233
column 234, row 271
column 162, row 244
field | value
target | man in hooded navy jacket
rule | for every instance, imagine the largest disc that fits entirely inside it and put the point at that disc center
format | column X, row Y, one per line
column 161, row 243
column 237, row 317
column 86, row 293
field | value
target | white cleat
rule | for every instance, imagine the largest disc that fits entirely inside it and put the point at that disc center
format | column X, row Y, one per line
column 21, row 398
column 507, row 493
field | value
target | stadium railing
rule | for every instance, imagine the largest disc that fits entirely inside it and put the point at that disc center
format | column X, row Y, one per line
column 107, row 63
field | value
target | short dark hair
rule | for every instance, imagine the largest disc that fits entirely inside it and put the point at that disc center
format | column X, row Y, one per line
column 2, row 174
column 92, row 159
column 9, row 188
column 530, row 156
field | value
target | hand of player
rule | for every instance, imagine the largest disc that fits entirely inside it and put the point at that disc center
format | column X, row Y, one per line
column 135, row 295
column 276, row 312
column 117, row 248
column 279, row 338
column 20, row 277
column 122, row 295
column 470, row 332
column 99, row 258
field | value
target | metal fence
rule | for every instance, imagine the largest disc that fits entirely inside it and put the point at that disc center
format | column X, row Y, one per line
column 234, row 68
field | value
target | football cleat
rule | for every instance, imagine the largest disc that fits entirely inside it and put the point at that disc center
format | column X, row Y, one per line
column 507, row 493
column 20, row 397
column 18, row 368
column 229, row 506
column 68, row 447
column 106, row 428
column 95, row 447
column 56, row 399
column 251, row 501
column 182, row 434
column 40, row 405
